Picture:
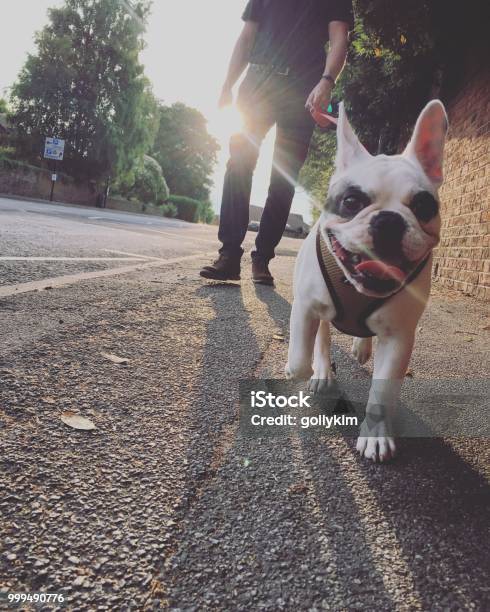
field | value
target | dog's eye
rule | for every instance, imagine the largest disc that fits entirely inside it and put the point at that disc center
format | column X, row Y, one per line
column 424, row 206
column 353, row 203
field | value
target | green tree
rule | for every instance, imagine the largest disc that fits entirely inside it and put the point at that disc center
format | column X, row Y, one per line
column 316, row 173
column 185, row 151
column 150, row 185
column 401, row 55
column 3, row 106
column 85, row 84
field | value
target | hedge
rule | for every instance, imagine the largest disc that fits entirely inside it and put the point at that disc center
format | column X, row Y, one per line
column 192, row 210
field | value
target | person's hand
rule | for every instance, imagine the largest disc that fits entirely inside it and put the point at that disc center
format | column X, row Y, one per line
column 226, row 97
column 319, row 98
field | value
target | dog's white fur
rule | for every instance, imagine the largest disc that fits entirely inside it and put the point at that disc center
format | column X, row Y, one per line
column 392, row 181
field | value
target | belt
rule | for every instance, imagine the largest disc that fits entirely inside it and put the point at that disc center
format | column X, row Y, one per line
column 267, row 68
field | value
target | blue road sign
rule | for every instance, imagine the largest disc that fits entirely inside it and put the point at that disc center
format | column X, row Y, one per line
column 54, row 148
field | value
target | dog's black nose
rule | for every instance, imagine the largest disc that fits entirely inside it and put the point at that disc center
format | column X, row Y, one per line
column 387, row 229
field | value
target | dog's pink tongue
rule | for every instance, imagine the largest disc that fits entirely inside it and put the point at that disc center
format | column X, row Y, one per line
column 381, row 270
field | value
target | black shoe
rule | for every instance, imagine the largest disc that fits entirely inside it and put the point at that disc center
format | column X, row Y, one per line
column 224, row 268
column 260, row 272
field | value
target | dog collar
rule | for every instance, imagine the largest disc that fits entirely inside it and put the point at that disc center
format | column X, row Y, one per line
column 351, row 307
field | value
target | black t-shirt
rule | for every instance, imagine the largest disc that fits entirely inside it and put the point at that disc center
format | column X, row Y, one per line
column 293, row 33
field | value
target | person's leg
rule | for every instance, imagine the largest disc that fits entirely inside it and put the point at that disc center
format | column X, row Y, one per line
column 234, row 214
column 254, row 103
column 294, row 131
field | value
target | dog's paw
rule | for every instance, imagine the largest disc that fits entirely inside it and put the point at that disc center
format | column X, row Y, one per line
column 319, row 384
column 382, row 448
column 376, row 440
column 362, row 349
column 298, row 372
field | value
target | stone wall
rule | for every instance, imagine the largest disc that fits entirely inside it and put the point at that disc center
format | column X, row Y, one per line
column 32, row 182
column 462, row 260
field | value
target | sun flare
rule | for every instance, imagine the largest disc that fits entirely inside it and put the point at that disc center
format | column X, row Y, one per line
column 225, row 122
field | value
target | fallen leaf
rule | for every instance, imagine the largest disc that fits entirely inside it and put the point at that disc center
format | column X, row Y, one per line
column 278, row 337
column 48, row 400
column 115, row 358
column 298, row 488
column 74, row 420
column 469, row 339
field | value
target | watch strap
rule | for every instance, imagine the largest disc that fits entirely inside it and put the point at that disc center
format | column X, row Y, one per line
column 328, row 77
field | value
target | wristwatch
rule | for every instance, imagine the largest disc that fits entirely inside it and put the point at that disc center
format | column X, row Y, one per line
column 328, row 77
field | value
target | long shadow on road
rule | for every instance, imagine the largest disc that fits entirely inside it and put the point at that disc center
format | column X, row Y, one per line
column 273, row 524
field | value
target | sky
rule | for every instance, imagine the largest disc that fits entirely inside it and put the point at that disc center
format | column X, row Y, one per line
column 189, row 43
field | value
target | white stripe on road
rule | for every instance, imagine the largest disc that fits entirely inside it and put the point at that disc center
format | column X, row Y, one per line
column 70, row 279
column 122, row 226
column 186, row 238
column 133, row 255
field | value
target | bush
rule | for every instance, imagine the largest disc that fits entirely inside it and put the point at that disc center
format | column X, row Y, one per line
column 169, row 209
column 6, row 152
column 206, row 212
column 187, row 208
column 149, row 185
column 192, row 210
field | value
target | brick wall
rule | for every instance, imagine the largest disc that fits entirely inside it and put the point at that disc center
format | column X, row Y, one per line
column 32, row 182
column 462, row 260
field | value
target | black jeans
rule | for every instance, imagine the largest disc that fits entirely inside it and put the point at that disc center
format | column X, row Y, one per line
column 265, row 101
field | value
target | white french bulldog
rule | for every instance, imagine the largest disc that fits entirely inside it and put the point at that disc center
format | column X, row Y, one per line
column 380, row 222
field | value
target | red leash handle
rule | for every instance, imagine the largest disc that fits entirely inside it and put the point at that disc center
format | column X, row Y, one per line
column 324, row 120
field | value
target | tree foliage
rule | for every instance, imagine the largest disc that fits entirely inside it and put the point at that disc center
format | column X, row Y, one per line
column 85, row 84
column 149, row 185
column 185, row 151
column 401, row 55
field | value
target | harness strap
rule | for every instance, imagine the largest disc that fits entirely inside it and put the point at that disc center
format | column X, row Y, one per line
column 351, row 307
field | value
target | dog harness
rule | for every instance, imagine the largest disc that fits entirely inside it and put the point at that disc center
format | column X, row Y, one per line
column 351, row 307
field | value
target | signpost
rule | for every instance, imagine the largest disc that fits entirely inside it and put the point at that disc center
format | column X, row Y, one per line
column 54, row 148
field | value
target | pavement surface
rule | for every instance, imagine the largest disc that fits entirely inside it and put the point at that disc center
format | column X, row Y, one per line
column 164, row 505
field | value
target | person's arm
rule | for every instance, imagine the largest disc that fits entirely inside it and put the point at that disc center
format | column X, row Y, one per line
column 339, row 41
column 239, row 60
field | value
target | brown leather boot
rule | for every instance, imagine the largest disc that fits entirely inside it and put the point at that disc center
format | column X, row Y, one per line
column 260, row 272
column 224, row 268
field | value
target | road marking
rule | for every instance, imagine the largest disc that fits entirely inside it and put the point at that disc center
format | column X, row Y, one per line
column 132, row 258
column 70, row 279
column 133, row 255
column 187, row 238
column 143, row 229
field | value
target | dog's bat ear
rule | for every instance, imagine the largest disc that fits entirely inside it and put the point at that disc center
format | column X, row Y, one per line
column 427, row 143
column 349, row 148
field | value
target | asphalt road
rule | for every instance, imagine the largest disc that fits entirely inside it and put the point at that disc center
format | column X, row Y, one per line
column 165, row 505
